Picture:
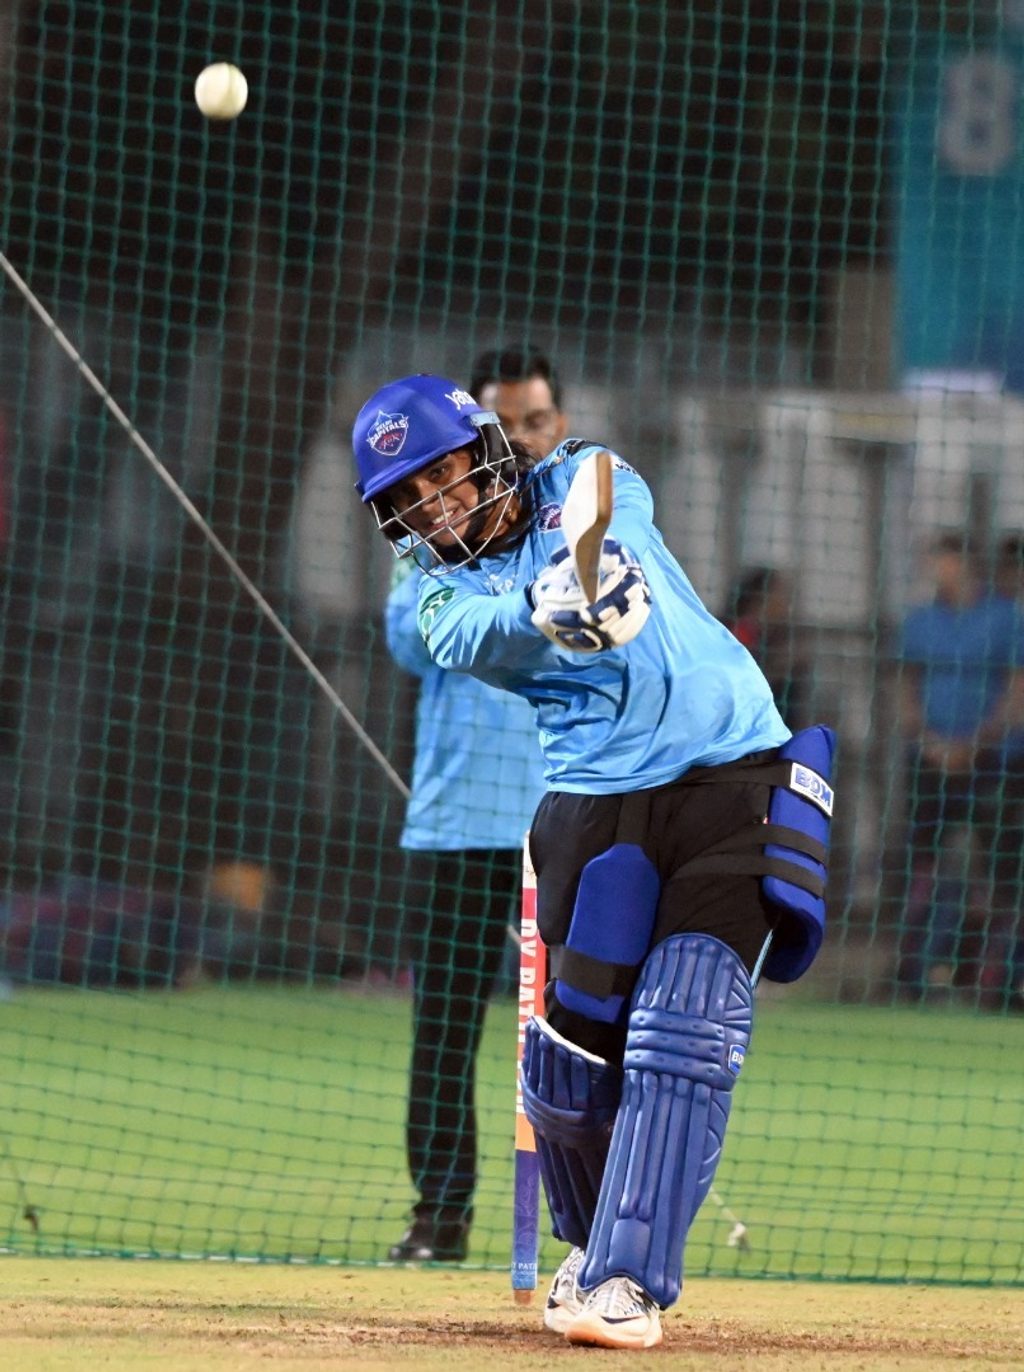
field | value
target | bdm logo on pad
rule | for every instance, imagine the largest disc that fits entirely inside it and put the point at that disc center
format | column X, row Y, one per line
column 388, row 434
column 736, row 1056
column 815, row 788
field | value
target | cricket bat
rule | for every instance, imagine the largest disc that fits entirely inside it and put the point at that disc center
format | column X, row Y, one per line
column 586, row 514
column 526, row 1180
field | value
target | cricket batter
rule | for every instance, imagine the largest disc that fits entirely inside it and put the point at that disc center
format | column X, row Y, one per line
column 681, row 846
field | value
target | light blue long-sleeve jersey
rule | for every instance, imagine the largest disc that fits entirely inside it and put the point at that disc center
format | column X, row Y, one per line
column 684, row 693
column 478, row 774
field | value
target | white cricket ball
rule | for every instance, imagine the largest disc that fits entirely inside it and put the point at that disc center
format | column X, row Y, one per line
column 221, row 91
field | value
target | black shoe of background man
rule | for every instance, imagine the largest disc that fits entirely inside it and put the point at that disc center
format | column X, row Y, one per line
column 433, row 1236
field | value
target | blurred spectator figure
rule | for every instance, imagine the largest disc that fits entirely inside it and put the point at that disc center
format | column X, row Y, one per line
column 477, row 780
column 522, row 387
column 761, row 615
column 961, row 708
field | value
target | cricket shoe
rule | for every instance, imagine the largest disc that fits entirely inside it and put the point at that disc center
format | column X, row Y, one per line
column 617, row 1314
column 565, row 1299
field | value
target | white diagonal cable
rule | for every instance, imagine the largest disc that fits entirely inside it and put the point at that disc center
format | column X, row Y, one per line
column 248, row 585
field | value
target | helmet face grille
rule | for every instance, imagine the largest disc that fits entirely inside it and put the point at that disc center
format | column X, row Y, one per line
column 494, row 475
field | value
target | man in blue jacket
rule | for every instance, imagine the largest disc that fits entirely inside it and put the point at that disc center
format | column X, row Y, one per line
column 476, row 782
column 683, row 832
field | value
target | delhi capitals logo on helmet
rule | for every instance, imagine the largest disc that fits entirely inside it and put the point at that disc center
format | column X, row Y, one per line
column 388, row 434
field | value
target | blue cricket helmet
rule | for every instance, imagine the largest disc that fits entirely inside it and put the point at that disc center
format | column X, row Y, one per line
column 408, row 423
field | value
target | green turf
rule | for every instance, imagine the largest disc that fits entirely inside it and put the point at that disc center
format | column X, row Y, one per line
column 267, row 1123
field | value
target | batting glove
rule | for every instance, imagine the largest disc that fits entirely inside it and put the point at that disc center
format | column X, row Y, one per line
column 618, row 614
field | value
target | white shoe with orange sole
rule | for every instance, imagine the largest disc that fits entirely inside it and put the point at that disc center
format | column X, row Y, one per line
column 617, row 1314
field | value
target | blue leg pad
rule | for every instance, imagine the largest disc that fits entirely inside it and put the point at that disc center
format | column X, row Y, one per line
column 689, row 1028
column 571, row 1098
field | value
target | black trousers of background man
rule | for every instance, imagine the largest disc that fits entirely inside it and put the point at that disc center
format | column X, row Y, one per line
column 459, row 905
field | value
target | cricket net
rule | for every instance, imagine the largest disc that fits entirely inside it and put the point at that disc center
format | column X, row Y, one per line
column 774, row 252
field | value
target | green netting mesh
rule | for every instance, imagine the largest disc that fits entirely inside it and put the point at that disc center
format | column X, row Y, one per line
column 775, row 252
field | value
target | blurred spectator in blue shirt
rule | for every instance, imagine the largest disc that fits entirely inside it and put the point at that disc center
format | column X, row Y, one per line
column 962, row 714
